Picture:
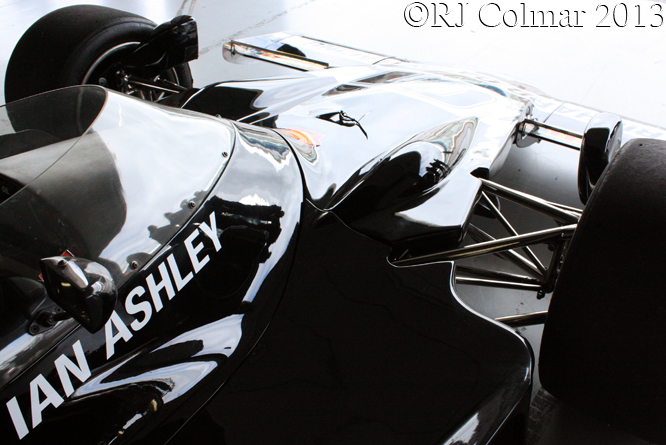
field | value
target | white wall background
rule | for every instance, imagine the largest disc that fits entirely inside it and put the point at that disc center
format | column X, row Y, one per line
column 615, row 69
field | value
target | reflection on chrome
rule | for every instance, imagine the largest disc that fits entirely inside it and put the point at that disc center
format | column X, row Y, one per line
column 22, row 352
column 170, row 381
column 219, row 337
column 465, row 435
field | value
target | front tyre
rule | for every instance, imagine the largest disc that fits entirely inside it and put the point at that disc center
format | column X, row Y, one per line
column 75, row 45
column 603, row 348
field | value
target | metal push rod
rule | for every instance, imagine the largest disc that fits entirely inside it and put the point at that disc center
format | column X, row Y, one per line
column 524, row 319
column 498, row 283
column 507, row 225
column 538, row 125
column 529, row 201
column 495, row 275
column 484, row 248
column 479, row 236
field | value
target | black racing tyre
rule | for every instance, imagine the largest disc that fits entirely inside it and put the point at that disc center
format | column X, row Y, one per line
column 585, row 185
column 601, row 140
column 72, row 45
column 603, row 348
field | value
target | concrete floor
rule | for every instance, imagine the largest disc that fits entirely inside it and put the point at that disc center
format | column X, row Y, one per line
column 616, row 69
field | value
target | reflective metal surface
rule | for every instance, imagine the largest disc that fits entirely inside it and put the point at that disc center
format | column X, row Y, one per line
column 369, row 353
column 543, row 173
column 216, row 331
column 197, row 294
column 541, row 205
column 356, row 129
column 480, row 236
column 232, row 50
column 298, row 52
column 498, row 283
column 531, row 129
column 493, row 246
column 507, row 225
column 184, row 321
column 524, row 319
column 121, row 191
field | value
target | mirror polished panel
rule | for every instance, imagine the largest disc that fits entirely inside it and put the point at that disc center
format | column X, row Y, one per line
column 121, row 191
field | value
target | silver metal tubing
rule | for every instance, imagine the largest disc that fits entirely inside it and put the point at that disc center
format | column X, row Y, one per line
column 552, row 128
column 549, row 281
column 540, row 205
column 524, row 319
column 507, row 225
column 108, row 53
column 554, row 141
column 534, row 132
column 526, row 265
column 573, row 210
column 498, row 283
column 277, row 57
column 552, row 269
column 556, row 234
column 161, row 86
column 496, row 275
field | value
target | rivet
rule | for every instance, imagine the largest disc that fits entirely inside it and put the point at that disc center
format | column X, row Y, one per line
column 225, row 154
column 134, row 264
column 192, row 204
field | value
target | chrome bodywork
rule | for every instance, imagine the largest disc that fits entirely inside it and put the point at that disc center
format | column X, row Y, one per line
column 547, row 110
column 327, row 218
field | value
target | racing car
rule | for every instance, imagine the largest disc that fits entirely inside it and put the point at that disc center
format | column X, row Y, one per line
column 277, row 260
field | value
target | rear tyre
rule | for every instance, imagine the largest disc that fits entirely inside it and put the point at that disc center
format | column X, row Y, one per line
column 73, row 46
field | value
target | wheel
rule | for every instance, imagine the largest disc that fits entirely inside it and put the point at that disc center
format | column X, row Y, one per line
column 602, row 138
column 74, row 46
column 604, row 341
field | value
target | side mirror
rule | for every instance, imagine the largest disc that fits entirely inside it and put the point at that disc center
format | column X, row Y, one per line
column 83, row 288
column 602, row 138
